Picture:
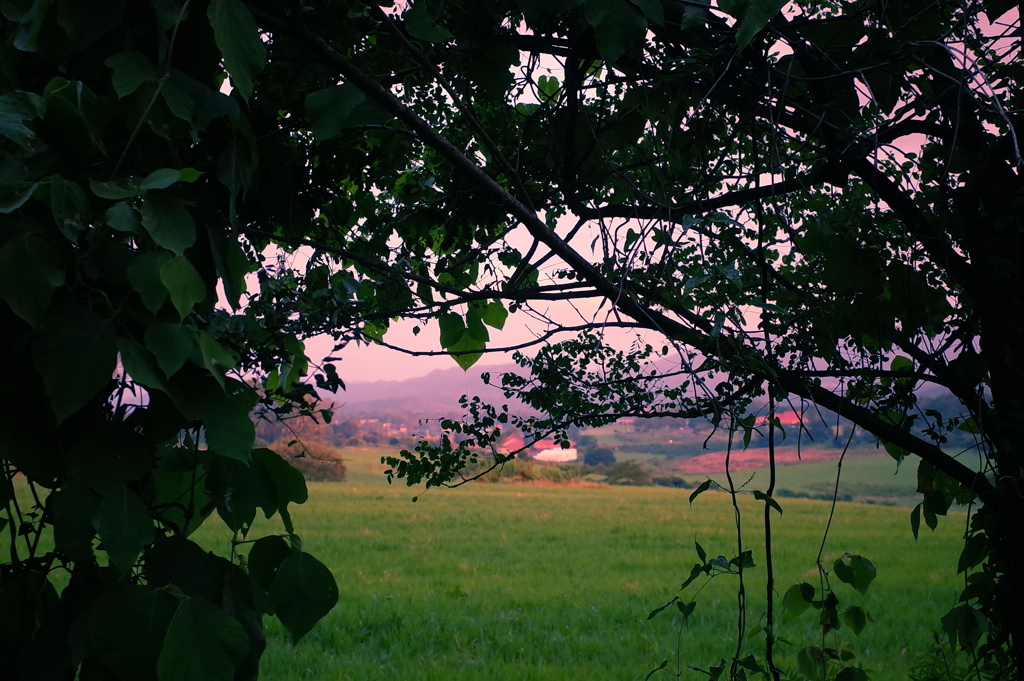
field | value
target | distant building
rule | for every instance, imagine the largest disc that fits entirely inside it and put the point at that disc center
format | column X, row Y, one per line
column 549, row 450
column 557, row 455
column 513, row 442
column 542, row 450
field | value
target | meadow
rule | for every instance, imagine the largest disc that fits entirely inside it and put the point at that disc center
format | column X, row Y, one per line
column 509, row 581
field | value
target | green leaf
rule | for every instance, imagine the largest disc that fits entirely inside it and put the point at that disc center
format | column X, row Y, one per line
column 75, row 350
column 216, row 358
column 183, row 565
column 750, row 663
column 964, row 626
column 13, row 195
column 144, row 276
column 69, row 205
column 182, row 499
column 901, row 363
column 328, row 109
column 184, row 284
column 233, row 265
column 915, row 520
column 856, row 618
column 744, row 560
column 237, row 163
column 203, row 643
column 452, row 329
column 421, row 25
column 703, row 487
column 288, row 480
column 131, row 69
column 225, row 413
column 547, row 88
column 15, row 108
column 162, row 179
column 852, row 674
column 178, row 101
column 752, row 16
column 976, row 549
column 167, row 220
column 663, row 665
column 238, row 489
column 122, row 217
column 470, row 350
column 127, row 626
column 475, row 327
column 618, row 25
column 895, row 451
column 761, row 496
column 303, row 592
column 653, row 10
column 115, row 190
column 930, row 518
column 811, row 663
column 654, row 613
column 494, row 315
column 265, row 557
column 29, row 273
column 857, row 571
column 797, row 599
column 73, row 507
column 122, row 520
column 695, row 572
column 171, row 344
column 238, row 39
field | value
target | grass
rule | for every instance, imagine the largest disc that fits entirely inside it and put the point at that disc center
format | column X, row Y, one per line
column 866, row 476
column 520, row 582
column 502, row 581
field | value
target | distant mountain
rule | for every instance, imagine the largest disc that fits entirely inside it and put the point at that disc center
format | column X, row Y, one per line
column 435, row 395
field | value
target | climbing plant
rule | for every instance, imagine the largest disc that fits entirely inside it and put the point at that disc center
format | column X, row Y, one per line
column 133, row 371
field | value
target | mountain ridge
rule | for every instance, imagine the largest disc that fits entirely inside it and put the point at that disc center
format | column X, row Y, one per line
column 435, row 394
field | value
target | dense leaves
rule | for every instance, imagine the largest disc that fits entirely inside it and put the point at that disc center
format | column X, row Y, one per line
column 128, row 421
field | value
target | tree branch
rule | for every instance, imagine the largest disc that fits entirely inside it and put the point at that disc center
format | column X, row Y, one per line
column 865, row 418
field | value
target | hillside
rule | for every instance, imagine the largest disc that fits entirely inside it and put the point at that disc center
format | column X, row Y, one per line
column 433, row 395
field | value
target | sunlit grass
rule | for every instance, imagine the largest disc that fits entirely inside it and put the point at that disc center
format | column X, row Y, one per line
column 511, row 581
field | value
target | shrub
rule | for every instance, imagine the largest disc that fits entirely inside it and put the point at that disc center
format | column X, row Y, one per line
column 318, row 462
column 629, row 473
column 671, row 481
column 528, row 470
column 599, row 456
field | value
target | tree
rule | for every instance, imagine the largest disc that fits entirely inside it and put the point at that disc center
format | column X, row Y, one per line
column 599, row 456
column 128, row 411
column 813, row 202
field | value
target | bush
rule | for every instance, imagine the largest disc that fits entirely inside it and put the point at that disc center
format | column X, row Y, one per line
column 318, row 462
column 629, row 473
column 671, row 481
column 528, row 470
column 599, row 456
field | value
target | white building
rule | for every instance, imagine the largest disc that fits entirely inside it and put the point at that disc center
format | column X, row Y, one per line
column 556, row 455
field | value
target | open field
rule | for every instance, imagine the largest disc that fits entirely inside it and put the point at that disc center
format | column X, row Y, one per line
column 500, row 581
column 867, row 476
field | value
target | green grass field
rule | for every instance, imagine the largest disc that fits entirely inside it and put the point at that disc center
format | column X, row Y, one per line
column 866, row 476
column 503, row 581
